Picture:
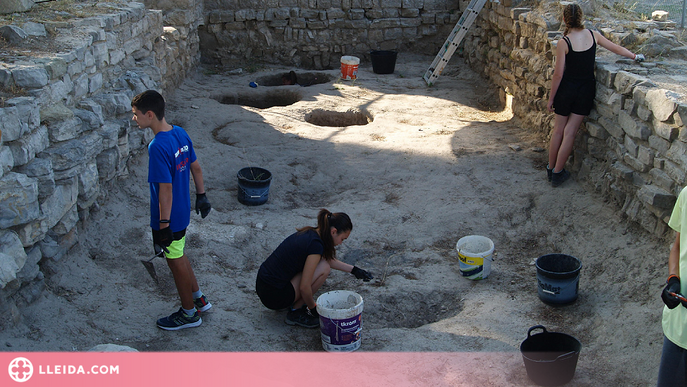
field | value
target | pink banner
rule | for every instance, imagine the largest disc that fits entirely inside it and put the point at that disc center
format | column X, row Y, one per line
column 257, row 369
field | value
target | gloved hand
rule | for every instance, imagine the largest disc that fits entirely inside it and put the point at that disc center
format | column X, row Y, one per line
column 639, row 58
column 361, row 274
column 163, row 238
column 672, row 286
column 312, row 312
column 202, row 205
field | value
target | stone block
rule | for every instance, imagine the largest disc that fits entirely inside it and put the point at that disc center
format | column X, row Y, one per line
column 30, row 77
column 67, row 222
column 622, row 171
column 678, row 153
column 31, row 270
column 26, row 148
column 11, row 125
column 28, row 110
column 12, row 258
column 661, row 179
column 55, row 246
column 656, row 196
column 630, row 146
column 635, row 163
column 65, row 130
column 107, row 162
column 675, row 171
column 626, row 81
column 659, row 144
column 88, row 182
column 75, row 152
column 18, row 200
column 55, row 206
column 6, row 160
column 632, row 127
column 662, row 103
column 613, row 128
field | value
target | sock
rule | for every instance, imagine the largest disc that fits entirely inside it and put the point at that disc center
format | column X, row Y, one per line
column 197, row 294
column 190, row 312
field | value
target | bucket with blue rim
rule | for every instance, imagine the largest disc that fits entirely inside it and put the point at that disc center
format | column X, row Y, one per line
column 254, row 185
column 558, row 278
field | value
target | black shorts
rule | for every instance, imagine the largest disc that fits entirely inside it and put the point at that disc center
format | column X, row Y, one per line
column 575, row 96
column 273, row 297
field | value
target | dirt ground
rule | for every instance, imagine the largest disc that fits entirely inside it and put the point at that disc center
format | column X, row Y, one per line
column 434, row 164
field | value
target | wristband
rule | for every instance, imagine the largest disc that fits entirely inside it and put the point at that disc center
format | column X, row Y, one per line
column 164, row 221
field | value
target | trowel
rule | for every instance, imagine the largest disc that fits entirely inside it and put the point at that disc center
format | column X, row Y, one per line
column 148, row 263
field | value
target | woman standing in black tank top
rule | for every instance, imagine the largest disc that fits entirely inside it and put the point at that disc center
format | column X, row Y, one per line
column 573, row 87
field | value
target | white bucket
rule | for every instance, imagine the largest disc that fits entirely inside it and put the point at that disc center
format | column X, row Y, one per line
column 349, row 67
column 475, row 255
column 340, row 320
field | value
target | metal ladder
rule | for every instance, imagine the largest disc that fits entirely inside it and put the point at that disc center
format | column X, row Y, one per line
column 453, row 41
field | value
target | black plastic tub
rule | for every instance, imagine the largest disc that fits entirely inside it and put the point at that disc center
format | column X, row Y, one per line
column 383, row 62
column 550, row 357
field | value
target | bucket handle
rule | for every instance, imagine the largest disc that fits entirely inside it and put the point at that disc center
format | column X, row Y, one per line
column 529, row 331
column 565, row 356
column 245, row 192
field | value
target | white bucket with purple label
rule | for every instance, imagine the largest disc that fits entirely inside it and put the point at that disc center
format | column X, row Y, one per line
column 341, row 322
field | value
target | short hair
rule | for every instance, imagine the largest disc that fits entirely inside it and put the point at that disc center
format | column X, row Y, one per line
column 150, row 100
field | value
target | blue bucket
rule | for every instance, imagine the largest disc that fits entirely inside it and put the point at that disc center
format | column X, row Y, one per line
column 254, row 185
column 558, row 278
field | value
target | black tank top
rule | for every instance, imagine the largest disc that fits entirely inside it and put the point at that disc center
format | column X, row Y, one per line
column 579, row 65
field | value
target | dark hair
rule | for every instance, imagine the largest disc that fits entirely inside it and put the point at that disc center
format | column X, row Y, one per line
column 325, row 221
column 572, row 16
column 150, row 100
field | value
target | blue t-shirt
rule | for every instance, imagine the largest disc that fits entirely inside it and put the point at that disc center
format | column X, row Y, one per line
column 170, row 155
column 289, row 258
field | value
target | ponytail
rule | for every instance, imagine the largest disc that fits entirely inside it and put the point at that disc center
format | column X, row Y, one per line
column 572, row 17
column 325, row 221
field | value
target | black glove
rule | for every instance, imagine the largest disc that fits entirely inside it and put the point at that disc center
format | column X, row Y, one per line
column 312, row 312
column 163, row 238
column 361, row 274
column 202, row 205
column 672, row 286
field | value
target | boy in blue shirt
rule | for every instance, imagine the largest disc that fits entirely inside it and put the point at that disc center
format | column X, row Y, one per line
column 171, row 162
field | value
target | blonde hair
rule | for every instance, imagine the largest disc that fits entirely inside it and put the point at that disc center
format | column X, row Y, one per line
column 572, row 16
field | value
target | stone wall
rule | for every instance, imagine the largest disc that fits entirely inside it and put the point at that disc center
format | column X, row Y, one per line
column 69, row 134
column 316, row 33
column 633, row 146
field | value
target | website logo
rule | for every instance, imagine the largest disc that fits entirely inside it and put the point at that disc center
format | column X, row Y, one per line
column 20, row 369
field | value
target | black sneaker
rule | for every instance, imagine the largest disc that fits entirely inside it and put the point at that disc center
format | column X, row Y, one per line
column 202, row 304
column 549, row 173
column 179, row 320
column 302, row 318
column 558, row 178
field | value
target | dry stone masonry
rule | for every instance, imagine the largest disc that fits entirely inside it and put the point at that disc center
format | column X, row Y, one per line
column 633, row 147
column 69, row 135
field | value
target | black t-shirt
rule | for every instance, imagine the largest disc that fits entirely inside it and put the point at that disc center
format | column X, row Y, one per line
column 289, row 258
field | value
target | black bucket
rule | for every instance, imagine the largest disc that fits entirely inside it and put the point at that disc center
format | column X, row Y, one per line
column 550, row 357
column 254, row 185
column 558, row 278
column 383, row 62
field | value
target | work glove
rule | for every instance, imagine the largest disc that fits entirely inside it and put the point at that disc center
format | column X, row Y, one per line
column 312, row 312
column 672, row 286
column 361, row 274
column 202, row 205
column 163, row 238
column 639, row 58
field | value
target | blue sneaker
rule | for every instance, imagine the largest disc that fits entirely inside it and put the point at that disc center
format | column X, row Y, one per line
column 202, row 304
column 179, row 320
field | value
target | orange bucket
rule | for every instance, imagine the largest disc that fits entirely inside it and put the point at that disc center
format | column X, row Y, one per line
column 349, row 67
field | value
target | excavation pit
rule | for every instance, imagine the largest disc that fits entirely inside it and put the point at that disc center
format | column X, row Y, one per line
column 261, row 99
column 294, row 78
column 351, row 117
